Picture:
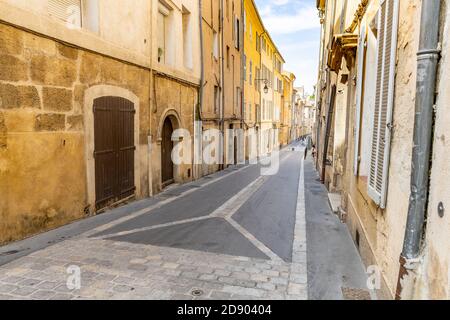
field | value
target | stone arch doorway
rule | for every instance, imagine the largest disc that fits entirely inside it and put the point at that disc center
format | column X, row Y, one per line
column 167, row 166
column 132, row 157
column 168, row 171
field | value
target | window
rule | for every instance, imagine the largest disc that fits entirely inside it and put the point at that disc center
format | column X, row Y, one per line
column 90, row 16
column 216, row 45
column 216, row 99
column 237, row 38
column 368, row 84
column 164, row 37
column 68, row 11
column 258, row 42
column 238, row 99
column 264, row 111
column 228, row 57
column 161, row 37
column 384, row 100
column 187, row 39
column 257, row 77
column 250, row 76
column 245, row 21
column 361, row 53
column 245, row 67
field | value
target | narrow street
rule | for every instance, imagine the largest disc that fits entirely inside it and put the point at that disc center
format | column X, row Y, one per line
column 224, row 150
column 222, row 237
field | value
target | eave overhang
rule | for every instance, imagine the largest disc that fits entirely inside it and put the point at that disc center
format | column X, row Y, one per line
column 342, row 45
column 320, row 4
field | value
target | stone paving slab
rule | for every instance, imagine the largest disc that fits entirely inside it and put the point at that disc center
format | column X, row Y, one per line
column 135, row 271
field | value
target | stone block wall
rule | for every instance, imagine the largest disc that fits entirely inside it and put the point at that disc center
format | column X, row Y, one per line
column 42, row 142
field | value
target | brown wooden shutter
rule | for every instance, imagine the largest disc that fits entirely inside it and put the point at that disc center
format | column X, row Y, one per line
column 384, row 100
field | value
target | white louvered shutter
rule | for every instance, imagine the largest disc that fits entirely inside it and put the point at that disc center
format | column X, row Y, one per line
column 66, row 10
column 359, row 94
column 384, row 100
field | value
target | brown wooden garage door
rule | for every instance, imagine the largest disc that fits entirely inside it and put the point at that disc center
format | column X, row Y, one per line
column 114, row 150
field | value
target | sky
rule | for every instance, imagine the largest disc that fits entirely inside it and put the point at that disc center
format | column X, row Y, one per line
column 295, row 28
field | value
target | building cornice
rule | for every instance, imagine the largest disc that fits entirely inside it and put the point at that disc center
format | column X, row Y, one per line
column 359, row 13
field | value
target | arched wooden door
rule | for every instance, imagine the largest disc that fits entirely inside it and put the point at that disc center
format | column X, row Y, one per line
column 166, row 154
column 114, row 150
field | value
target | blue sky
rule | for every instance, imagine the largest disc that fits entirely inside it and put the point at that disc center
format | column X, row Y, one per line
column 295, row 28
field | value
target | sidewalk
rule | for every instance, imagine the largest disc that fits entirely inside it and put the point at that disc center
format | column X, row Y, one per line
column 335, row 269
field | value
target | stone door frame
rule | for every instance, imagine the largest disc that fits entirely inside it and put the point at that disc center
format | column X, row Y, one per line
column 90, row 95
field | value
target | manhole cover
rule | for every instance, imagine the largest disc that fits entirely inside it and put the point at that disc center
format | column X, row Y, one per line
column 355, row 294
column 197, row 292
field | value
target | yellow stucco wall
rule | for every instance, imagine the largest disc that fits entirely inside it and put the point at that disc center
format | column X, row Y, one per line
column 43, row 172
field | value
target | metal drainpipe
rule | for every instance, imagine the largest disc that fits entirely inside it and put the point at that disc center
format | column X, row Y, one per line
column 260, row 92
column 222, row 85
column 427, row 62
column 242, row 62
column 328, row 75
column 328, row 131
column 198, row 114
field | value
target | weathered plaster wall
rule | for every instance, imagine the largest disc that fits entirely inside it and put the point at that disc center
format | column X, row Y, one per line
column 434, row 282
column 381, row 232
column 42, row 142
column 212, row 74
column 176, row 100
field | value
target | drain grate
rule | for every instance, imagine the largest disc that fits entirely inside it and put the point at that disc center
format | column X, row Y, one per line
column 8, row 253
column 355, row 294
column 196, row 292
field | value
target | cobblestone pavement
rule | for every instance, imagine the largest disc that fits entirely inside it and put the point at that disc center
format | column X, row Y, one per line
column 113, row 266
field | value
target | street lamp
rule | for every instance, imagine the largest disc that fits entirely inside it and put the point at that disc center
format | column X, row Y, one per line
column 266, row 87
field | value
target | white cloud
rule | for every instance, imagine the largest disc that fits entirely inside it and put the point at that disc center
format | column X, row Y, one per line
column 302, row 18
column 295, row 27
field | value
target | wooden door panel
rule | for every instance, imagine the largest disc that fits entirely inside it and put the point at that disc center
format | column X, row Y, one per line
column 114, row 150
column 166, row 153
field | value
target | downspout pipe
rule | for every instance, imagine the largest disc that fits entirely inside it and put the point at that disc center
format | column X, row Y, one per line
column 427, row 63
column 261, row 93
column 199, row 113
column 222, row 78
column 202, row 62
column 242, row 47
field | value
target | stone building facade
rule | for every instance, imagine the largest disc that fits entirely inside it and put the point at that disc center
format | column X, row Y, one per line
column 368, row 93
column 287, row 109
column 73, row 81
column 93, row 92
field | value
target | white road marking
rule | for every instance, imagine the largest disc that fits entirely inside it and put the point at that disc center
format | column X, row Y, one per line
column 299, row 253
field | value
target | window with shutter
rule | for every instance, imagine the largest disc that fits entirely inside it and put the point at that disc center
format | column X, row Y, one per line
column 67, row 10
column 237, row 32
column 245, row 67
column 359, row 94
column 384, row 99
